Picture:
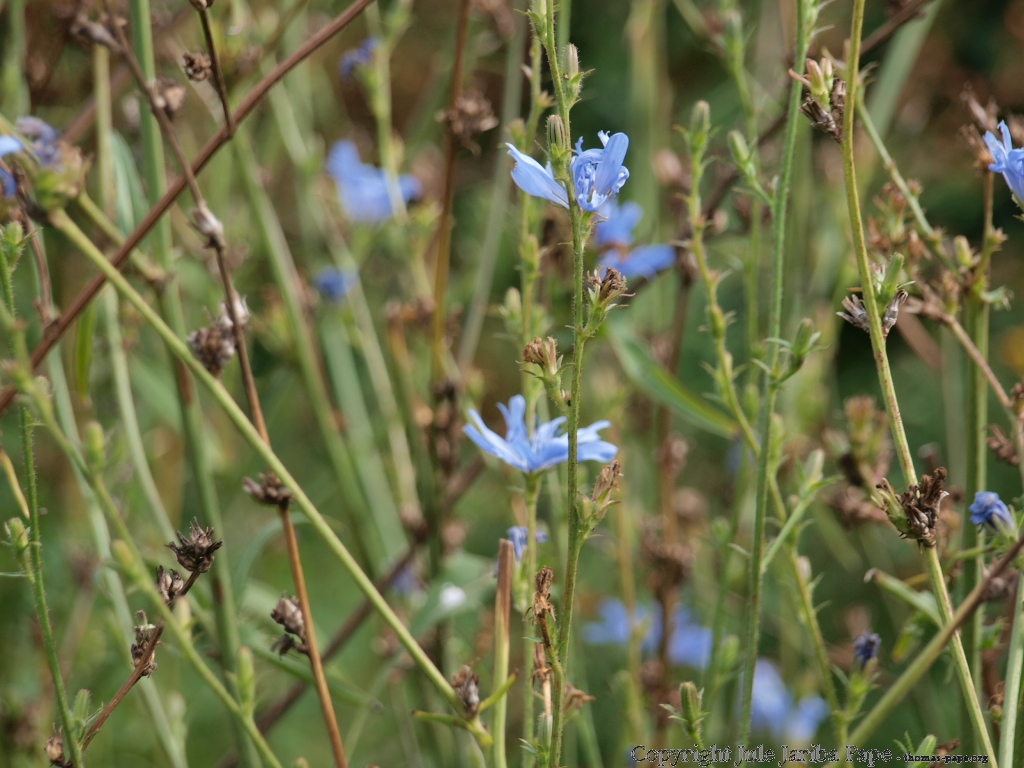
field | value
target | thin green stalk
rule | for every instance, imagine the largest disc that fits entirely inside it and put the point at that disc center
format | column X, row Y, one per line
column 373, row 540
column 34, row 569
column 770, row 387
column 223, row 398
column 15, row 86
column 1012, row 691
column 533, row 484
column 502, row 616
column 933, row 566
column 191, row 412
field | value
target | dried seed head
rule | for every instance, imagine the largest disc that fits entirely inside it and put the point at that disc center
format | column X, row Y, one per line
column 543, row 353
column 467, row 685
column 196, row 551
column 213, row 346
column 209, row 226
column 269, row 490
column 85, row 29
column 288, row 614
column 55, row 750
column 169, row 95
column 1002, row 446
column 575, row 698
column 241, row 312
column 197, row 66
column 607, row 482
column 470, row 116
column 144, row 632
column 169, row 584
column 855, row 313
column 892, row 311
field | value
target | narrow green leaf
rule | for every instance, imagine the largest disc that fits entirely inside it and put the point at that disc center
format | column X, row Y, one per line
column 658, row 384
column 85, row 332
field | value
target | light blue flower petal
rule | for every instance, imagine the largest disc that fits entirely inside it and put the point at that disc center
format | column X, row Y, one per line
column 609, row 178
column 771, row 700
column 9, row 145
column 492, row 443
column 802, row 723
column 618, row 224
column 8, row 183
column 644, row 261
column 536, row 180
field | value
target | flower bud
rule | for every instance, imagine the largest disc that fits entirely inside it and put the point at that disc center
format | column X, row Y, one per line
column 95, row 445
column 739, row 149
column 17, row 535
column 700, row 125
column 962, row 250
column 691, row 699
column 556, row 133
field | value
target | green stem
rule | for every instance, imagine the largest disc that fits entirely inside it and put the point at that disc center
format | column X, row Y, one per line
column 770, row 387
column 500, row 680
column 1012, row 693
column 223, row 398
column 35, row 549
column 885, row 375
column 191, row 411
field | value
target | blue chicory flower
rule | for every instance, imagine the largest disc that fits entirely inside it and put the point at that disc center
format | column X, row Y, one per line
column 545, row 449
column 406, row 582
column 517, row 535
column 334, row 285
column 865, row 648
column 989, row 510
column 598, row 174
column 615, row 228
column 536, row 180
column 358, row 57
column 773, row 709
column 644, row 261
column 1008, row 161
column 45, row 139
column 363, row 189
column 8, row 146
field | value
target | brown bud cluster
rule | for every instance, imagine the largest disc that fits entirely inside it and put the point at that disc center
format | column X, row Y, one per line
column 142, row 654
column 196, row 551
column 1002, row 446
column 269, row 490
column 214, row 345
column 169, row 96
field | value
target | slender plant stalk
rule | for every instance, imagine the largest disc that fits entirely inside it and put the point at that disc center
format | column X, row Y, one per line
column 502, row 616
column 61, row 221
column 770, row 387
column 218, row 73
column 30, row 510
column 932, row 564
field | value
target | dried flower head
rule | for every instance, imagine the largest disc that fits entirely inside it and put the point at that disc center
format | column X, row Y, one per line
column 143, row 650
column 85, row 29
column 209, row 226
column 213, row 346
column 892, row 311
column 169, row 584
column 855, row 313
column 470, row 116
column 575, row 698
column 169, row 95
column 198, row 66
column 269, row 490
column 915, row 511
column 467, row 685
column 1002, row 446
column 55, row 750
column 288, row 614
column 196, row 551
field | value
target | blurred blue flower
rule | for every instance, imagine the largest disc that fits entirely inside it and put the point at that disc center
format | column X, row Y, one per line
column 865, row 648
column 773, row 709
column 599, row 174
column 1008, row 161
column 334, row 285
column 644, row 261
column 44, row 139
column 363, row 189
column 989, row 510
column 358, row 57
column 617, row 225
column 536, row 180
column 613, row 235
column 406, row 582
column 545, row 449
column 8, row 146
column 690, row 644
column 517, row 535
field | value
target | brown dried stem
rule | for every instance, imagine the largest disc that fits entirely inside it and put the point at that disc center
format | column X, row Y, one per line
column 218, row 73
